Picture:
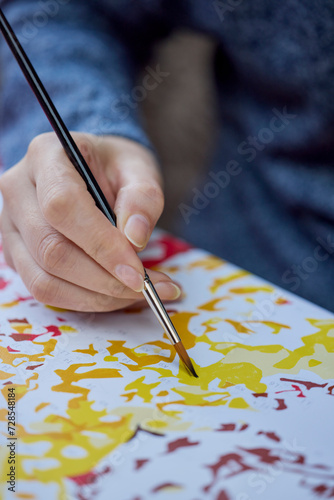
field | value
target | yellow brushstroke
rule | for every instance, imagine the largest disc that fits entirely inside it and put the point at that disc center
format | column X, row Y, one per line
column 5, row 375
column 10, row 357
column 90, row 350
column 208, row 324
column 67, row 329
column 7, row 305
column 252, row 289
column 276, row 327
column 41, row 406
column 70, row 375
column 211, row 305
column 208, row 263
column 239, row 326
column 142, row 390
column 219, row 282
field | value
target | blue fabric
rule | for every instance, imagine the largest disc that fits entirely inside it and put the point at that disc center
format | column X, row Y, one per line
column 267, row 201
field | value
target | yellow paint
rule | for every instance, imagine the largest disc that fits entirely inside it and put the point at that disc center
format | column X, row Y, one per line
column 7, row 305
column 142, row 390
column 211, row 305
column 276, row 327
column 218, row 282
column 208, row 263
column 21, row 327
column 314, row 362
column 89, row 429
column 250, row 300
column 57, row 309
column 238, row 326
column 90, row 350
column 5, row 375
column 41, row 406
column 238, row 403
column 10, row 357
column 208, row 324
column 69, row 376
column 252, row 289
column 67, row 329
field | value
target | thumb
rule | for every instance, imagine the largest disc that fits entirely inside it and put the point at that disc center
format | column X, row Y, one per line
column 139, row 197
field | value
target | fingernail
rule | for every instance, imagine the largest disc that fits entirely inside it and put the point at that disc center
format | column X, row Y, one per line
column 130, row 277
column 168, row 290
column 137, row 230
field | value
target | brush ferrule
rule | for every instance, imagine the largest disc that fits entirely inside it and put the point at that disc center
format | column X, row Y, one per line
column 159, row 310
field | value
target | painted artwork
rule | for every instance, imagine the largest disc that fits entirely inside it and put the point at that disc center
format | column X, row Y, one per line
column 104, row 409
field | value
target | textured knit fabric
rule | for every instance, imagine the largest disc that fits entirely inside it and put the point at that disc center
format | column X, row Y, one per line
column 267, row 201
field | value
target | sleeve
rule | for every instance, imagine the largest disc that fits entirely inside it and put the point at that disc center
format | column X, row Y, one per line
column 87, row 55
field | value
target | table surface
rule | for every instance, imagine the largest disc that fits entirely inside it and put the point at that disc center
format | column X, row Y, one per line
column 104, row 409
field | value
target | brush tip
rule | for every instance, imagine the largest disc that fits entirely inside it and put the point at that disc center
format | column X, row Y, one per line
column 185, row 358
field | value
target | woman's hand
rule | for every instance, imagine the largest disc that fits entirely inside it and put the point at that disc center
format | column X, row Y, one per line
column 66, row 251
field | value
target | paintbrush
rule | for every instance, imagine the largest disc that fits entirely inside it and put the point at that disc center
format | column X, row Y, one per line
column 81, row 166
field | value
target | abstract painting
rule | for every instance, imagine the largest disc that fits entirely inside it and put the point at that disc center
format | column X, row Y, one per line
column 104, row 408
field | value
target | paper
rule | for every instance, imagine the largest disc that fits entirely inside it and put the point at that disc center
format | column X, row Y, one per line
column 105, row 410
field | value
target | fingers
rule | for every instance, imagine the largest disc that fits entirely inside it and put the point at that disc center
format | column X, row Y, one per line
column 59, row 257
column 139, row 197
column 68, row 207
column 53, row 291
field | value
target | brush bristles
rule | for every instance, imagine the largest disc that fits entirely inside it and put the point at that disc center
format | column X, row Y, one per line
column 185, row 358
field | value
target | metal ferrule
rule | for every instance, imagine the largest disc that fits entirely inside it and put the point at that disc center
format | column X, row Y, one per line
column 158, row 308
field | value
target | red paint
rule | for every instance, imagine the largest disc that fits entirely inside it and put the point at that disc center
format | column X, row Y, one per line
column 89, row 477
column 180, row 443
column 281, row 404
column 165, row 485
column 3, row 283
column 9, row 349
column 24, row 320
column 295, row 388
column 231, row 427
column 33, row 367
column 260, row 395
column 168, row 246
column 60, row 319
column 270, row 435
column 308, row 385
column 230, row 461
column 19, row 337
column 226, row 427
column 222, row 495
column 141, row 462
column 330, row 390
column 54, row 329
column 264, row 454
column 321, row 488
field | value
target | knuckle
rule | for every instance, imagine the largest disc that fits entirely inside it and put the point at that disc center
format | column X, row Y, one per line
column 52, row 252
column 36, row 144
column 57, row 203
column 42, row 287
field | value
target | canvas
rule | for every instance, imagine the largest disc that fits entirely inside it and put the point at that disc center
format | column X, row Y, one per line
column 104, row 408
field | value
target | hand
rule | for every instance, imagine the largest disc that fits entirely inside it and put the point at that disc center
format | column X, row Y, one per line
column 66, row 251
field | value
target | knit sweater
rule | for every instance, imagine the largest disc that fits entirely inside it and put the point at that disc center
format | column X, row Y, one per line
column 267, row 201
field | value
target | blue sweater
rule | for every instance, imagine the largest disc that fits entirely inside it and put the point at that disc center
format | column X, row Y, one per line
column 267, row 201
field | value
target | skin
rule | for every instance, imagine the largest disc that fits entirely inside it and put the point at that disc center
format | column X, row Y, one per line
column 66, row 251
